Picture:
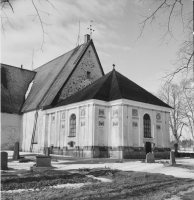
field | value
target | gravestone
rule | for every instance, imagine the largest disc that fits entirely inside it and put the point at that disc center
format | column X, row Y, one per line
column 150, row 158
column 172, row 158
column 16, row 151
column 4, row 158
column 43, row 161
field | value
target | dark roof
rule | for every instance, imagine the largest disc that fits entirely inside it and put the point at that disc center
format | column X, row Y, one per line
column 113, row 86
column 52, row 76
column 14, row 84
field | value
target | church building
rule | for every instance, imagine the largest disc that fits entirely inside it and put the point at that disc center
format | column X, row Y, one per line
column 71, row 106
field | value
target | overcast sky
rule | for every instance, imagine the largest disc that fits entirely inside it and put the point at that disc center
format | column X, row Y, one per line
column 116, row 25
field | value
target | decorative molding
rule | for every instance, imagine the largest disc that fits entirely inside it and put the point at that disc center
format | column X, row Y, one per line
column 135, row 124
column 62, row 115
column 83, row 123
column 158, row 127
column 115, row 112
column 158, row 116
column 82, row 113
column 115, row 123
column 63, row 125
column 101, row 123
column 134, row 112
column 101, row 112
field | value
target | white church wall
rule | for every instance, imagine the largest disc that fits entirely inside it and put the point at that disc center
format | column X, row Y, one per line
column 101, row 124
column 130, row 126
column 115, row 126
column 124, row 125
column 11, row 130
column 80, row 79
column 28, row 125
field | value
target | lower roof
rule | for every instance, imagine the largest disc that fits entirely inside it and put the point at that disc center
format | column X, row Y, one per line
column 113, row 86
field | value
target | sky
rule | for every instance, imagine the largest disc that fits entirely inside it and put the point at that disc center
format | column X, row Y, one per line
column 117, row 26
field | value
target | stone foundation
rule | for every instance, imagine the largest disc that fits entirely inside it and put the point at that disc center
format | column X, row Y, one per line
column 110, row 152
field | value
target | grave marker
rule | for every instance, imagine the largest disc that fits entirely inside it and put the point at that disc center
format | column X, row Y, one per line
column 4, row 158
column 16, row 151
column 172, row 158
column 43, row 161
column 150, row 158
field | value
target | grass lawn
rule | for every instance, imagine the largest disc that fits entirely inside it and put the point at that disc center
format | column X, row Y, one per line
column 123, row 185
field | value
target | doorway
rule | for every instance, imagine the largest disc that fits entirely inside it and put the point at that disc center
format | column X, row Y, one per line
column 148, row 147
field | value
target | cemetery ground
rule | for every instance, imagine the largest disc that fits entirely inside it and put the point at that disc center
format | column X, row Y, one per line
column 78, row 178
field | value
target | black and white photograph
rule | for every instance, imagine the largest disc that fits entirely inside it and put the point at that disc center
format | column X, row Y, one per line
column 97, row 100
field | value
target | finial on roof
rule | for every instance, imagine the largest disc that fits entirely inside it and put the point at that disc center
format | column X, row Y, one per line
column 90, row 29
column 113, row 66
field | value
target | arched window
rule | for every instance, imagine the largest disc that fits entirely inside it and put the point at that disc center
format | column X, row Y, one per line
column 72, row 132
column 147, row 126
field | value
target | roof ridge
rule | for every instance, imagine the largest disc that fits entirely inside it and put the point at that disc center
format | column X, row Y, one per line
column 114, row 71
column 59, row 56
column 103, row 82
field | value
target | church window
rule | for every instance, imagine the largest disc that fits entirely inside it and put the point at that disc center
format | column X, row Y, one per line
column 88, row 74
column 71, row 144
column 147, row 126
column 72, row 132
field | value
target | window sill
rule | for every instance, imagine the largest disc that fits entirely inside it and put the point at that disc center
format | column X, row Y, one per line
column 71, row 136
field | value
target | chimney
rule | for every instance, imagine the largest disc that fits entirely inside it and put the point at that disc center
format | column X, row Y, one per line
column 86, row 38
column 21, row 66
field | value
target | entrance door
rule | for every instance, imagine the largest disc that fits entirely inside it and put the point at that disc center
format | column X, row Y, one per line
column 148, row 147
column 103, row 152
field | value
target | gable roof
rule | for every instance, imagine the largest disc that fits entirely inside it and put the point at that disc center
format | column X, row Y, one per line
column 113, row 86
column 14, row 84
column 52, row 76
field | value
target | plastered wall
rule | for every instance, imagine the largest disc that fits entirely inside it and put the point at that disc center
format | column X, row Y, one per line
column 79, row 78
column 11, row 128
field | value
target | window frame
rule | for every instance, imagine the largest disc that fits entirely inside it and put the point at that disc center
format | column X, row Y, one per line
column 72, row 125
column 147, row 126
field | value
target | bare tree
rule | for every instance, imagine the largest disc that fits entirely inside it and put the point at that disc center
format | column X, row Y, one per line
column 173, row 9
column 5, row 19
column 172, row 95
column 188, row 105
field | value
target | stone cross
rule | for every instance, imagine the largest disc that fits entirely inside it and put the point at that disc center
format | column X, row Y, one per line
column 150, row 158
column 16, row 151
column 172, row 158
column 4, row 156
